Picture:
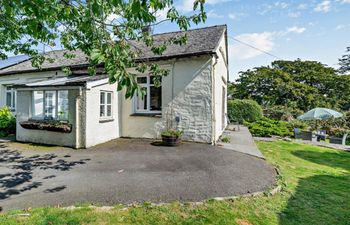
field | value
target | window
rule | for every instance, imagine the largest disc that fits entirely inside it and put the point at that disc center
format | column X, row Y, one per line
column 11, row 98
column 105, row 104
column 50, row 105
column 151, row 102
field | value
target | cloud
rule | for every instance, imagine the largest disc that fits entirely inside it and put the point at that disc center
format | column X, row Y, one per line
column 342, row 27
column 187, row 5
column 267, row 8
column 295, row 29
column 303, row 6
column 263, row 41
column 344, row 1
column 212, row 14
column 294, row 14
column 324, row 6
column 162, row 14
column 232, row 16
column 236, row 16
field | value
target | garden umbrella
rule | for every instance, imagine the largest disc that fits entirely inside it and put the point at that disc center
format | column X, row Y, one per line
column 320, row 114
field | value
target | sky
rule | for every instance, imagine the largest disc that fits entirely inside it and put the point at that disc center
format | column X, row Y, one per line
column 290, row 29
column 286, row 29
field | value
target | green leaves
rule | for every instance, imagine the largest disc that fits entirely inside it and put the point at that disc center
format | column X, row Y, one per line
column 299, row 84
column 27, row 26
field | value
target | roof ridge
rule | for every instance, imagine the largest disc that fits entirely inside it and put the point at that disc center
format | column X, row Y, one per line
column 195, row 29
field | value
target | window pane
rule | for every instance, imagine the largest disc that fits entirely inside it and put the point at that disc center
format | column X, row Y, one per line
column 141, row 103
column 156, row 98
column 102, row 110
column 38, row 104
column 142, row 80
column 8, row 99
column 109, row 110
column 50, row 104
column 14, row 93
column 102, row 98
column 109, row 98
column 62, row 105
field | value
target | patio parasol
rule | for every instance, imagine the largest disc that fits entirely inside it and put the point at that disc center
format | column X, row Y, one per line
column 320, row 114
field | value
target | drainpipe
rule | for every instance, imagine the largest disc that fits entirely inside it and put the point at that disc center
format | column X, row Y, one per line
column 213, row 101
column 78, row 119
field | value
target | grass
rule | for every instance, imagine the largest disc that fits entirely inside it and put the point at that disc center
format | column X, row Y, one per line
column 316, row 190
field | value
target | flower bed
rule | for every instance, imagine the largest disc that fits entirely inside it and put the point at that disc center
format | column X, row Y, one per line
column 55, row 126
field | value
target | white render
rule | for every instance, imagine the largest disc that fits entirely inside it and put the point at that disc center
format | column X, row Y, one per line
column 97, row 130
column 192, row 100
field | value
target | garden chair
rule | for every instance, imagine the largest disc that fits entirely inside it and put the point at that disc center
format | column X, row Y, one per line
column 306, row 135
column 297, row 133
column 321, row 135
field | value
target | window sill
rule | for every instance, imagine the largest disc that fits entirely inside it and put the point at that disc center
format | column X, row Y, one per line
column 106, row 120
column 158, row 115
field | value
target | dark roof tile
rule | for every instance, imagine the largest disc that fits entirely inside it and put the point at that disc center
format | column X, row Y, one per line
column 199, row 41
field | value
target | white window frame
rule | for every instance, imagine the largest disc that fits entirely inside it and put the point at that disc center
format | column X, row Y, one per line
column 44, row 104
column 13, row 94
column 105, row 105
column 148, row 86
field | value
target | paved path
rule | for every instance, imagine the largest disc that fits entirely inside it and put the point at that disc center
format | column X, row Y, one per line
column 241, row 141
column 126, row 171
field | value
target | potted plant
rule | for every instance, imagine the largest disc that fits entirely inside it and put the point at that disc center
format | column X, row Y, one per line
column 171, row 137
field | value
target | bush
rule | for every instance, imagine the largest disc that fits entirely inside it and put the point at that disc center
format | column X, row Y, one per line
column 7, row 122
column 296, row 124
column 243, row 110
column 280, row 112
column 265, row 127
column 172, row 133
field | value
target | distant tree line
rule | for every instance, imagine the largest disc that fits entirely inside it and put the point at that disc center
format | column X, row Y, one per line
column 298, row 84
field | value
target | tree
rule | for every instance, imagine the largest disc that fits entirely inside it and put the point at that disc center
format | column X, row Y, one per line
column 104, row 30
column 344, row 62
column 296, row 84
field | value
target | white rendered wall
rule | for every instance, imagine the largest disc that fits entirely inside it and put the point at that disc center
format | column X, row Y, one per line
column 187, row 94
column 98, row 131
column 220, row 73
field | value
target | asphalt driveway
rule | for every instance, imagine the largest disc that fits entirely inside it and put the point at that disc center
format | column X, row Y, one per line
column 125, row 171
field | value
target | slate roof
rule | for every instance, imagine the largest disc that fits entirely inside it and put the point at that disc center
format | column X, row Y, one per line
column 72, row 80
column 12, row 60
column 199, row 41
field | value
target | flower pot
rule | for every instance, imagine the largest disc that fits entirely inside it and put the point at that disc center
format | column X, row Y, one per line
column 171, row 140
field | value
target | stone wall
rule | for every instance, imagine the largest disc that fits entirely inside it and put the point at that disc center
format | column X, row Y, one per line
column 191, row 109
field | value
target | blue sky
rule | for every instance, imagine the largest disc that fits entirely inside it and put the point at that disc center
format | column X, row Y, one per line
column 310, row 30
column 289, row 29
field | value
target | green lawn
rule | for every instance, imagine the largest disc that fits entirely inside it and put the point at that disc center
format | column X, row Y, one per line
column 316, row 190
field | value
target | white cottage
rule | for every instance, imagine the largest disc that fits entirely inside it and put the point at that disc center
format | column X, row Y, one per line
column 81, row 111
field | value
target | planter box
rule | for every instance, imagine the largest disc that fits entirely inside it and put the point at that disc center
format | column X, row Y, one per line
column 171, row 141
column 336, row 140
column 47, row 125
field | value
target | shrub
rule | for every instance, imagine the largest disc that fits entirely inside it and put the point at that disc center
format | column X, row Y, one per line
column 225, row 139
column 265, row 127
column 172, row 133
column 280, row 112
column 243, row 110
column 7, row 122
column 296, row 124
